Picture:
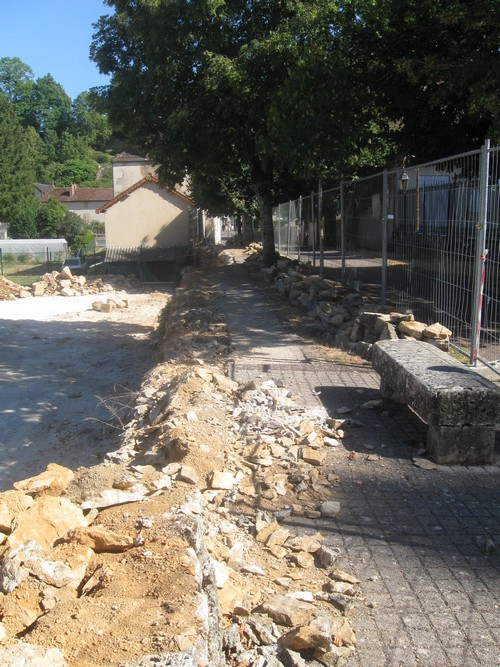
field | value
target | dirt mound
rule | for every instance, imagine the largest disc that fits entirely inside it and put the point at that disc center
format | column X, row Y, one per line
column 180, row 549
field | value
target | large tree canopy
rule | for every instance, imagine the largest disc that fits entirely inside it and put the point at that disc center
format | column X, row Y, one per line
column 221, row 88
column 438, row 66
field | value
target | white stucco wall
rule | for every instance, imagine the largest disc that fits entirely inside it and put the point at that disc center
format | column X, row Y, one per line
column 126, row 174
column 86, row 210
column 149, row 216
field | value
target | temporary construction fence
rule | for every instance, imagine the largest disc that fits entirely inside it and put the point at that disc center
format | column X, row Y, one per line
column 426, row 236
column 48, row 252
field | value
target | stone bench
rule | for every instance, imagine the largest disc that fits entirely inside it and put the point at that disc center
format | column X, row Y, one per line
column 460, row 407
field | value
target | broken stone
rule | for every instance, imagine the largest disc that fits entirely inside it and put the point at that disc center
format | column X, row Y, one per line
column 314, row 457
column 308, row 543
column 224, row 383
column 100, row 539
column 436, row 331
column 223, row 480
column 265, row 532
column 412, row 329
column 425, row 464
column 327, row 555
column 314, row 635
column 111, row 497
column 11, row 504
column 303, row 559
column 46, row 521
column 188, row 475
column 221, row 572
column 28, row 655
column 329, row 508
column 53, row 481
column 287, row 611
column 340, row 575
column 341, row 629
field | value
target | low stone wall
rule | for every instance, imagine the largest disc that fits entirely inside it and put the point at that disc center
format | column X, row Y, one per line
column 460, row 407
column 344, row 316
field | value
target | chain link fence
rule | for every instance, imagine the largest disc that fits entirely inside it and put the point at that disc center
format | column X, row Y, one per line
column 425, row 237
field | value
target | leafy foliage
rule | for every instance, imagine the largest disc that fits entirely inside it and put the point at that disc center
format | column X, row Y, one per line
column 236, row 89
column 54, row 221
column 16, row 166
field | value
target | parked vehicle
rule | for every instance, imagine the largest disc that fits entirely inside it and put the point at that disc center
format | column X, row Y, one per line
column 76, row 265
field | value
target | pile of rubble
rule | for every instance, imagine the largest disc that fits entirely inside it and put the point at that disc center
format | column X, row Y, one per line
column 344, row 316
column 181, row 547
column 64, row 283
column 9, row 291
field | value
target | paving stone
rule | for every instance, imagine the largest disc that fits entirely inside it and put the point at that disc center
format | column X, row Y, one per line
column 404, row 531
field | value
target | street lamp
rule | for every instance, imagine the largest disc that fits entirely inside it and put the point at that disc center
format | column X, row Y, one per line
column 403, row 179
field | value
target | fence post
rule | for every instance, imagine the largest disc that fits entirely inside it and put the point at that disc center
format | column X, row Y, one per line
column 481, row 252
column 385, row 203
column 342, row 230
column 321, row 230
column 288, row 228
column 313, row 225
column 299, row 229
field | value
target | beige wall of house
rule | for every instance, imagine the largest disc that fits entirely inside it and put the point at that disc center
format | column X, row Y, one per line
column 86, row 210
column 149, row 216
column 129, row 172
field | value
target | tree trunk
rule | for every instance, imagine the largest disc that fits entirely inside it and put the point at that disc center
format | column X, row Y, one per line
column 262, row 183
column 247, row 228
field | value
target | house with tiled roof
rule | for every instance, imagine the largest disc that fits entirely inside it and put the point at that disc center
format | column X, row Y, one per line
column 142, row 213
column 137, row 211
column 82, row 201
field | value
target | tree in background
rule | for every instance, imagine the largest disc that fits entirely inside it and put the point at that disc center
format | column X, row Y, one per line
column 16, row 82
column 207, row 89
column 437, row 64
column 54, row 221
column 89, row 123
column 67, row 130
column 17, row 170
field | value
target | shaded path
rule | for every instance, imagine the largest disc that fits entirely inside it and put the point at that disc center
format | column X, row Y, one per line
column 422, row 541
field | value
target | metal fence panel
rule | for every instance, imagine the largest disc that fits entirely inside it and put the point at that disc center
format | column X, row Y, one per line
column 429, row 241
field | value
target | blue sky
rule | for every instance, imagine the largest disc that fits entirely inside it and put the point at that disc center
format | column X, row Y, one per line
column 53, row 37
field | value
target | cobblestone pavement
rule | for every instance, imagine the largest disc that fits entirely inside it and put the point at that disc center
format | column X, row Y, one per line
column 425, row 543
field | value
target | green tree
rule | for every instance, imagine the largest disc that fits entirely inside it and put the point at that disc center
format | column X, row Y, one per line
column 438, row 65
column 207, row 88
column 75, row 171
column 16, row 82
column 17, row 166
column 49, row 108
column 89, row 123
column 50, row 219
column 54, row 221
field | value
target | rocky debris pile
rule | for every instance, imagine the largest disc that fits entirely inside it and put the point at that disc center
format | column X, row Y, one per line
column 191, row 325
column 64, row 283
column 110, row 305
column 343, row 315
column 182, row 547
column 282, row 599
column 10, row 291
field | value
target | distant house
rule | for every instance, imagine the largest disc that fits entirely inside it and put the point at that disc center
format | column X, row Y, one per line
column 142, row 213
column 147, row 215
column 137, row 211
column 82, row 201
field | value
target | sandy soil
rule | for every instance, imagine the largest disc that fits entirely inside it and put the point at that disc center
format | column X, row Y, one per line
column 64, row 370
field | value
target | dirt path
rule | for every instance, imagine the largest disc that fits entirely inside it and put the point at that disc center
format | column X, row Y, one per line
column 58, row 360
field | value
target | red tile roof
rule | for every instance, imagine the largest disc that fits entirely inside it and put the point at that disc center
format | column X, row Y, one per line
column 76, row 194
column 149, row 178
